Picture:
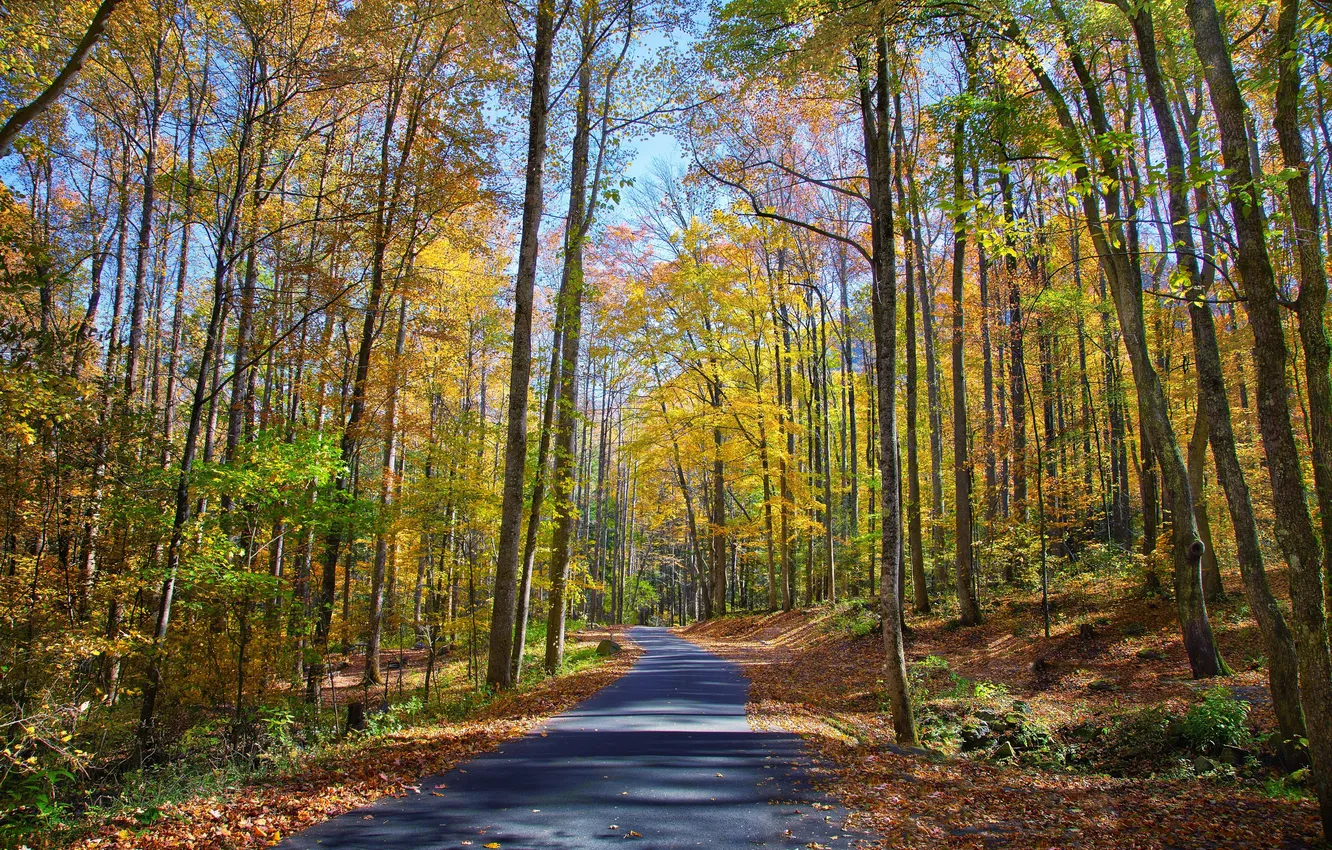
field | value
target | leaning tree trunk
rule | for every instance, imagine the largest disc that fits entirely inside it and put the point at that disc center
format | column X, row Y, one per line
column 1124, row 276
column 25, row 115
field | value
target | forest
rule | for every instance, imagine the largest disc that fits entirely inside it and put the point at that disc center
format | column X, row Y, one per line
column 356, row 356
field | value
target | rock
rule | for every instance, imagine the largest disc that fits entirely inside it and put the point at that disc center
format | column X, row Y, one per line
column 975, row 736
column 990, row 718
column 1021, row 707
column 1013, row 720
column 1134, row 629
column 1233, row 756
column 1004, row 752
column 1102, row 686
column 1202, row 764
column 608, row 647
column 1291, row 755
column 1151, row 655
column 1175, row 733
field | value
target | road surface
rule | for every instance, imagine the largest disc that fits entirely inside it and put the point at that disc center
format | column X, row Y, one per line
column 663, row 758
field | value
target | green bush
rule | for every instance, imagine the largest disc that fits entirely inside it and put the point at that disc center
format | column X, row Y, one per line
column 392, row 720
column 856, row 618
column 1218, row 721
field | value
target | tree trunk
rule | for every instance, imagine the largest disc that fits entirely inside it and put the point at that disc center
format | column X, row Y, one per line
column 966, row 599
column 382, row 535
column 572, row 285
column 25, row 115
column 878, row 155
column 499, row 666
column 920, row 592
column 1123, row 273
column 1294, row 528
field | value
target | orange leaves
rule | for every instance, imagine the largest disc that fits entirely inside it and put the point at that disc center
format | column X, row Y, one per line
column 822, row 685
column 260, row 814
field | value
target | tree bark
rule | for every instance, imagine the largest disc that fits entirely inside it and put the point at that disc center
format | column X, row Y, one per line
column 878, row 155
column 1294, row 528
column 499, row 666
column 966, row 599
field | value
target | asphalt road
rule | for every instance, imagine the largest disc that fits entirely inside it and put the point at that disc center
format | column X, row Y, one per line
column 662, row 758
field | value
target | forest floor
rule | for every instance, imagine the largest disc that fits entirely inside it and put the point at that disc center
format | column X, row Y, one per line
column 259, row 810
column 1095, row 713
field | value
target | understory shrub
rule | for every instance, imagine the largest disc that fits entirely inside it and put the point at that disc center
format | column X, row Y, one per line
column 1218, row 721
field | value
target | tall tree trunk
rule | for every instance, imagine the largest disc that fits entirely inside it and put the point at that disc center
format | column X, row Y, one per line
column 499, row 665
column 1123, row 273
column 384, row 532
column 1017, row 370
column 874, row 108
column 915, row 542
column 966, row 598
column 524, row 596
column 143, row 253
column 1295, row 531
column 567, row 405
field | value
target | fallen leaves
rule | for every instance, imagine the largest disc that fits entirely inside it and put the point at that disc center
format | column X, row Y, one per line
column 823, row 686
column 355, row 774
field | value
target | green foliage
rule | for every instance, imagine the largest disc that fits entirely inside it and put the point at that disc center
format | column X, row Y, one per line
column 1218, row 721
column 1105, row 559
column 1292, row 788
column 393, row 719
column 931, row 678
column 855, row 618
column 1017, row 551
column 31, row 800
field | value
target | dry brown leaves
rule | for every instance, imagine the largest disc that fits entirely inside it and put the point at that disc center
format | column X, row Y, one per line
column 262, row 813
column 824, row 687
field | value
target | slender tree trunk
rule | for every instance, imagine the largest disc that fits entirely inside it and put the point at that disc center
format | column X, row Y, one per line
column 567, row 405
column 1017, row 370
column 384, row 532
column 25, row 114
column 966, row 599
column 499, row 666
column 143, row 253
column 915, row 542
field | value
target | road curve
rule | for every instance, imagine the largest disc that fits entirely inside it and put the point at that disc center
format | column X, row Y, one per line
column 664, row 757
